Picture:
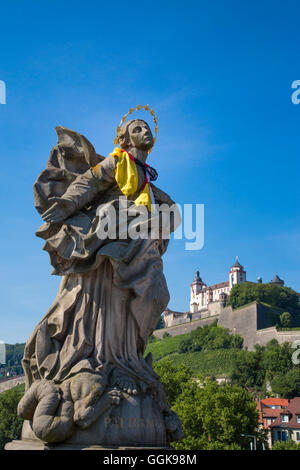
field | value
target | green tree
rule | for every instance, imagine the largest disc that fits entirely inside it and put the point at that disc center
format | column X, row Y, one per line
column 273, row 363
column 210, row 337
column 247, row 369
column 153, row 339
column 185, row 345
column 272, row 294
column 285, row 445
column 276, row 358
column 215, row 417
column 10, row 422
column 161, row 323
column 174, row 378
column 286, row 320
column 287, row 385
column 166, row 335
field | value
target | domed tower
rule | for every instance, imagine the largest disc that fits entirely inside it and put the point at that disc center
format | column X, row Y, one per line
column 197, row 284
column 196, row 291
column 237, row 274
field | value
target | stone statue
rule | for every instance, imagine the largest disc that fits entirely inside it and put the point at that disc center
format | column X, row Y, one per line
column 87, row 381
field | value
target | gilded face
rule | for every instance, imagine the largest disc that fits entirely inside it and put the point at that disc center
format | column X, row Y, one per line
column 140, row 135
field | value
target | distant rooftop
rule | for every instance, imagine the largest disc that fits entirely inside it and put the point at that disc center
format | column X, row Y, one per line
column 276, row 280
column 237, row 264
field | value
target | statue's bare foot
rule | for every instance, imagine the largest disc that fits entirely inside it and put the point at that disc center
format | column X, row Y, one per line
column 127, row 386
column 115, row 396
column 124, row 382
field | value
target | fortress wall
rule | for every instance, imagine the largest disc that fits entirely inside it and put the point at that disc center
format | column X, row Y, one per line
column 10, row 383
column 267, row 316
column 289, row 336
column 171, row 319
column 215, row 308
column 242, row 321
column 185, row 327
column 197, row 316
column 253, row 322
column 265, row 335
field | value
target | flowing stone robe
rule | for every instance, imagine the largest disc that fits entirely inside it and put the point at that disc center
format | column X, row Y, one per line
column 113, row 291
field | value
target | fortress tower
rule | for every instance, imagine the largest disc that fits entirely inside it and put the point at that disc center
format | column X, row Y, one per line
column 237, row 274
column 203, row 295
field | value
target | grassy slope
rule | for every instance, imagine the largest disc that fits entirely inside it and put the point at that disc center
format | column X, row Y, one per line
column 209, row 363
column 217, row 363
column 164, row 347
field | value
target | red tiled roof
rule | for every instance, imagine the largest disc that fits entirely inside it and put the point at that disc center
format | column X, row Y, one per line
column 293, row 411
column 214, row 286
column 270, row 412
column 275, row 402
column 218, row 286
column 265, row 410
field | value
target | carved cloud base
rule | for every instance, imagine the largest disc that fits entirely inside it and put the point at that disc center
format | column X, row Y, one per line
column 136, row 422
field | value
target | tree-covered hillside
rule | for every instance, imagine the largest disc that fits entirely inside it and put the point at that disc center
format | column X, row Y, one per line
column 267, row 368
column 270, row 293
column 14, row 356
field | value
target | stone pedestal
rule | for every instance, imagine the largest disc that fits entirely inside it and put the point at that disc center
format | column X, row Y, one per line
column 27, row 444
column 136, row 423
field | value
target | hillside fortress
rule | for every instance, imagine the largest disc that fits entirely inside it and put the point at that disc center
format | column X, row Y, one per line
column 255, row 322
column 202, row 295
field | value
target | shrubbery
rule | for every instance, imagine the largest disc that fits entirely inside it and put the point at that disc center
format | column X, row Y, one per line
column 10, row 422
column 14, row 356
column 272, row 294
column 163, row 347
column 285, row 445
column 213, row 416
column 209, row 363
column 272, row 363
column 286, row 320
column 210, row 337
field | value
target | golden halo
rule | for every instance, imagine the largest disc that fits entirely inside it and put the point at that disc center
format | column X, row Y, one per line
column 131, row 110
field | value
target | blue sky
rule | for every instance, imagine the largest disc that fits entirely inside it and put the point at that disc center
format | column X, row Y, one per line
column 217, row 73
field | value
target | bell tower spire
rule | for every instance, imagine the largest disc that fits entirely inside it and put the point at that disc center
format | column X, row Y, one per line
column 237, row 274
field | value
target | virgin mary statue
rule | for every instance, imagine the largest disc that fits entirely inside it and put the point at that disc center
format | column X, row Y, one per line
column 87, row 381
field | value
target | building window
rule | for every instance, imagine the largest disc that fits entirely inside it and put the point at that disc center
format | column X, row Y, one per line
column 285, row 418
column 297, row 436
column 298, row 418
column 281, row 435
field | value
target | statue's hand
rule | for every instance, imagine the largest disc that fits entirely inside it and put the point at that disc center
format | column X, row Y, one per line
column 60, row 210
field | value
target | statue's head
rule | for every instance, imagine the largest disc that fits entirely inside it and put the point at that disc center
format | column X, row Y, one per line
column 135, row 133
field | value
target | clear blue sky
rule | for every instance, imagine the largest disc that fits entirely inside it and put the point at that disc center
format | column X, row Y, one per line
column 217, row 73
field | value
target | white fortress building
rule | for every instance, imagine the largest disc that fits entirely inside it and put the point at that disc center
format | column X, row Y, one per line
column 210, row 301
column 202, row 295
column 254, row 321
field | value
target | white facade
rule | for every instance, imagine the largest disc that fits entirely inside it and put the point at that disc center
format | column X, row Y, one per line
column 202, row 295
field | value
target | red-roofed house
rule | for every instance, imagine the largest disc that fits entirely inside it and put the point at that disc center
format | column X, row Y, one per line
column 287, row 424
column 275, row 402
column 269, row 411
